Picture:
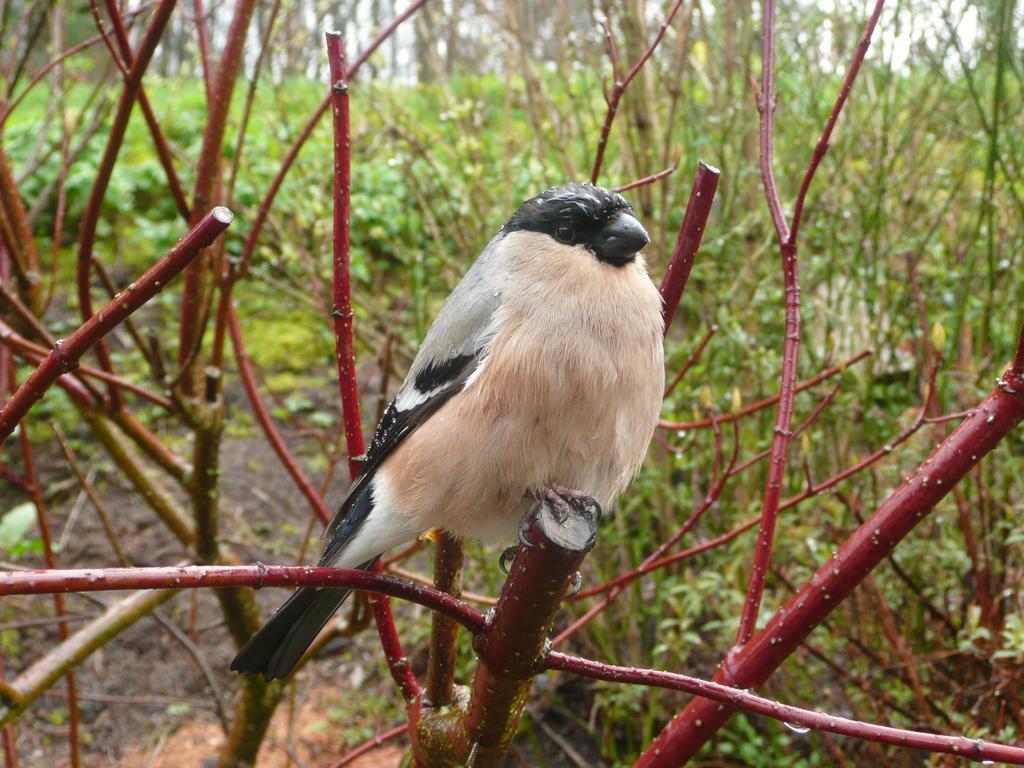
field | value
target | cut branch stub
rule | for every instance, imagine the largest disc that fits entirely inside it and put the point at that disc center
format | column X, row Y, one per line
column 513, row 643
column 691, row 232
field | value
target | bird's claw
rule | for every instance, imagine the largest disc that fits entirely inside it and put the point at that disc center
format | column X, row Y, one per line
column 506, row 559
column 575, row 584
column 521, row 533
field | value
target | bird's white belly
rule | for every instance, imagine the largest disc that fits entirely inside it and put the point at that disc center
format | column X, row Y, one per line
column 551, row 407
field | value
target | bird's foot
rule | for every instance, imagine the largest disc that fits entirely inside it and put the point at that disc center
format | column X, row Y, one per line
column 562, row 499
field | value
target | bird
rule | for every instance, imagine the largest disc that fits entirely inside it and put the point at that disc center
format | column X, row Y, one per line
column 544, row 369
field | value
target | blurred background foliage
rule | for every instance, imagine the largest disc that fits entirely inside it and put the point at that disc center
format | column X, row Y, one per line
column 916, row 217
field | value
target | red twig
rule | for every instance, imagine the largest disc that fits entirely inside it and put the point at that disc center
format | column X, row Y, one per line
column 341, row 311
column 10, row 752
column 669, row 559
column 420, row 578
column 159, row 142
column 751, row 664
column 391, row 644
column 36, row 494
column 766, row 402
column 818, row 409
column 219, row 576
column 733, row 698
column 270, row 430
column 766, row 110
column 56, row 62
column 718, row 486
column 691, row 360
column 620, row 85
column 115, row 137
column 650, row 564
column 203, row 40
column 66, row 354
column 791, row 345
column 1018, row 358
column 780, row 444
column 207, row 177
column 844, row 92
column 345, row 347
column 371, row 745
column 121, row 65
column 35, row 353
column 702, row 195
column 653, row 178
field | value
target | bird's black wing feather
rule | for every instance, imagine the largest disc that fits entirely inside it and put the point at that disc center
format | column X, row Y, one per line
column 455, row 346
column 436, row 383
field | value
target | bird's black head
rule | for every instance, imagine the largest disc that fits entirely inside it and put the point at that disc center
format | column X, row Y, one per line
column 582, row 214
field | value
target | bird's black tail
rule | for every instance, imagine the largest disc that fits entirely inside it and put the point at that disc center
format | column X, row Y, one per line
column 279, row 644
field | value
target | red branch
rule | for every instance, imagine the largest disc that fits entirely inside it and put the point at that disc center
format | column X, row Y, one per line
column 690, row 361
column 159, row 142
column 203, row 40
column 391, row 644
column 59, row 59
column 115, row 138
column 1018, row 357
column 348, row 386
column 653, row 178
column 341, row 311
column 654, row 565
column 270, row 430
column 219, row 576
column 788, row 249
column 35, row 353
column 702, row 195
column 844, row 92
column 66, row 354
column 766, row 402
column 751, row 664
column 207, row 180
column 961, row 746
column 620, row 86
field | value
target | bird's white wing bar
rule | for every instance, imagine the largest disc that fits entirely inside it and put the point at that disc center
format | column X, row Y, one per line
column 455, row 347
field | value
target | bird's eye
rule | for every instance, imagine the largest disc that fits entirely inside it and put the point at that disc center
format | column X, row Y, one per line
column 565, row 233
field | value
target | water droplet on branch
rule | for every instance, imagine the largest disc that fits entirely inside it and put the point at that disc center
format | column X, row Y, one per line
column 797, row 728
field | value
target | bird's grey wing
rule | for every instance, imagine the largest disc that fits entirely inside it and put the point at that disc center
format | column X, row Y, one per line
column 455, row 347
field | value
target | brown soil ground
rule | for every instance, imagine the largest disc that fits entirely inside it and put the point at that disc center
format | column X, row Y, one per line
column 145, row 702
column 194, row 742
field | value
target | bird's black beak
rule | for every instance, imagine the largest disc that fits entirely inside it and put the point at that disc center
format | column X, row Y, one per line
column 620, row 239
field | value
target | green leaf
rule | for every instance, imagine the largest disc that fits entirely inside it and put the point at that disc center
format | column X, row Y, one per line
column 15, row 524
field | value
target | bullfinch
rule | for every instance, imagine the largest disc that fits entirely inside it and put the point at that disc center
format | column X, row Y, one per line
column 544, row 368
